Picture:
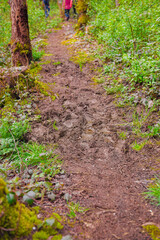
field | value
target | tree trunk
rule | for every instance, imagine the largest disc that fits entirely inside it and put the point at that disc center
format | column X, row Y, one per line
column 82, row 6
column 21, row 49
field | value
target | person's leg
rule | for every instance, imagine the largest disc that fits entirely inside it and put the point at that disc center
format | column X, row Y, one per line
column 48, row 9
column 74, row 9
column 67, row 14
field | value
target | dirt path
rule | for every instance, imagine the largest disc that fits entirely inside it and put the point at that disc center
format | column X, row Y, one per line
column 102, row 173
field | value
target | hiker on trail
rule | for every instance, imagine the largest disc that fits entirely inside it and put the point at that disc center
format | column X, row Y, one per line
column 74, row 8
column 67, row 4
column 46, row 7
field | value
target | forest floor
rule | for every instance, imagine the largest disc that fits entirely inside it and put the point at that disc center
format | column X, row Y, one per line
column 102, row 172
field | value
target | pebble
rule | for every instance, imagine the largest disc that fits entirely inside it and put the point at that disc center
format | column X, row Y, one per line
column 150, row 104
column 31, row 194
column 30, row 171
column 67, row 237
column 52, row 196
column 58, row 185
column 67, row 196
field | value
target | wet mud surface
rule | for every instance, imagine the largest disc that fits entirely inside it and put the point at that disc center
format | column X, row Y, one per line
column 102, row 172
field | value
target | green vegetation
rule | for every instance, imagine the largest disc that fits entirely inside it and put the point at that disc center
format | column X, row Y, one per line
column 22, row 161
column 153, row 230
column 139, row 120
column 18, row 221
column 130, row 38
column 75, row 208
column 153, row 192
column 15, row 152
column 36, row 55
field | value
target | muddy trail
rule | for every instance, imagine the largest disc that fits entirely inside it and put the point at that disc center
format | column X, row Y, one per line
column 103, row 173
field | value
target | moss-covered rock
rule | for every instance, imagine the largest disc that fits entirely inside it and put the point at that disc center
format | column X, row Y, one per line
column 152, row 229
column 16, row 220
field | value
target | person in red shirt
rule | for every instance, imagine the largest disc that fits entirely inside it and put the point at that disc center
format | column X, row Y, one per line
column 67, row 4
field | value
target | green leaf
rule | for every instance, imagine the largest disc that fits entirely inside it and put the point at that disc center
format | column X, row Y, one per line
column 54, row 125
column 29, row 197
column 11, row 198
column 50, row 221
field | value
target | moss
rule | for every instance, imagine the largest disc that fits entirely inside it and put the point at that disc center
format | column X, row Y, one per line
column 48, row 54
column 40, row 235
column 55, row 75
column 57, row 237
column 52, row 229
column 34, row 70
column 82, row 6
column 53, row 98
column 2, row 93
column 153, row 230
column 24, row 82
column 17, row 218
column 56, row 63
column 3, row 188
column 42, row 87
column 69, row 42
column 5, row 96
column 7, row 103
column 45, row 63
column 81, row 58
column 83, row 19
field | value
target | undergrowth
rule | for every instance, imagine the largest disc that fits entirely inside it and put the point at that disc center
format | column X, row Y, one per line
column 18, row 221
column 129, row 38
column 153, row 192
column 128, row 48
column 29, row 169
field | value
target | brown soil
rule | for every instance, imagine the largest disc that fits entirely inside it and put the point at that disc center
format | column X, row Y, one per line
column 102, row 172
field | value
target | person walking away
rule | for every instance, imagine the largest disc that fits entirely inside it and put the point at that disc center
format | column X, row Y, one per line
column 74, row 7
column 46, row 7
column 67, row 4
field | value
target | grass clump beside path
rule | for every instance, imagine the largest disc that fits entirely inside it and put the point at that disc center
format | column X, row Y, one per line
column 153, row 192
